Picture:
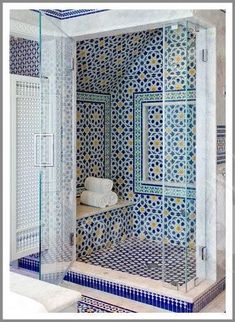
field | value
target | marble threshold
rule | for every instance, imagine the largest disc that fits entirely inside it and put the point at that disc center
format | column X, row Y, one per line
column 143, row 283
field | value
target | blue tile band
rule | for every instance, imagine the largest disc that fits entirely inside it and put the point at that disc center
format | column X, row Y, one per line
column 69, row 13
column 161, row 301
column 29, row 264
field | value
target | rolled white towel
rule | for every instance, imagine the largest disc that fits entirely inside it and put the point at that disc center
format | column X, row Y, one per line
column 99, row 185
column 112, row 197
column 95, row 199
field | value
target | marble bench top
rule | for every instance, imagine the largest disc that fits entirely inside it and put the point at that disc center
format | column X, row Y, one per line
column 53, row 297
column 87, row 211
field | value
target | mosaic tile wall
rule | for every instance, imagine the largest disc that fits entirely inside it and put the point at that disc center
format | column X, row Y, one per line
column 93, row 137
column 24, row 57
column 103, row 230
column 133, row 63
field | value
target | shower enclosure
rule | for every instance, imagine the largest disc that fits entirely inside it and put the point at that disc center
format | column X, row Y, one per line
column 156, row 85
column 43, row 167
column 158, row 141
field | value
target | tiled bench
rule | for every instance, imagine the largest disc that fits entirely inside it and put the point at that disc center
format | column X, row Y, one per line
column 97, row 228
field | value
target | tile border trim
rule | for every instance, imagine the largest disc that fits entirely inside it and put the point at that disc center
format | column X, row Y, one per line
column 132, row 293
column 154, row 299
column 138, row 100
column 29, row 264
column 69, row 13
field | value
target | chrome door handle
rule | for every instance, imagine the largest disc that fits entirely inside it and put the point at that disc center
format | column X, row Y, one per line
column 43, row 150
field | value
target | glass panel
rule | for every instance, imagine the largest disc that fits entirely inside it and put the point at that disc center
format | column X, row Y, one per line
column 190, row 158
column 179, row 117
column 25, row 125
column 57, row 180
column 196, row 127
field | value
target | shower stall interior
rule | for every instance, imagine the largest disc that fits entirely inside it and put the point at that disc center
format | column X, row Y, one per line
column 132, row 107
column 150, row 128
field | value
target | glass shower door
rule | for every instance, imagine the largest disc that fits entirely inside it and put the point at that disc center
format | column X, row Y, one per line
column 54, row 147
column 179, row 156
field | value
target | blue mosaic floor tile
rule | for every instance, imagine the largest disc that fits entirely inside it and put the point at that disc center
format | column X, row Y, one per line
column 91, row 305
column 145, row 258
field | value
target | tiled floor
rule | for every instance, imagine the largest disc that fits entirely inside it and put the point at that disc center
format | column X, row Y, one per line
column 145, row 258
column 92, row 305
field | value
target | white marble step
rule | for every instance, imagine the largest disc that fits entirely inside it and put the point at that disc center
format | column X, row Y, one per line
column 53, row 297
column 114, row 299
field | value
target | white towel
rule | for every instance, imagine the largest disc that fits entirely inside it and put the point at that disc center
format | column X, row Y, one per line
column 99, row 185
column 100, row 200
column 112, row 197
column 95, row 199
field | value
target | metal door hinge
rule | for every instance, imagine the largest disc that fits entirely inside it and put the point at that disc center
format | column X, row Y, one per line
column 204, row 55
column 196, row 281
column 174, row 27
column 203, row 253
column 72, row 65
column 71, row 238
column 224, row 90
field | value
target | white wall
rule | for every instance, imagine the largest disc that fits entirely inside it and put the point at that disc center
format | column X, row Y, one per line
column 119, row 21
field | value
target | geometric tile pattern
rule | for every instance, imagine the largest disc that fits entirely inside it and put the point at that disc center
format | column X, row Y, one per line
column 130, row 66
column 103, row 231
column 93, row 137
column 90, row 305
column 175, row 139
column 180, row 58
column 24, row 57
column 173, row 224
column 146, row 260
column 69, row 13
column 221, row 144
column 103, row 62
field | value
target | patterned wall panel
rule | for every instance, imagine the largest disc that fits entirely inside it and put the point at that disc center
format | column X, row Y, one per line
column 131, row 66
column 103, row 230
column 102, row 62
column 93, row 136
column 24, row 57
column 175, row 136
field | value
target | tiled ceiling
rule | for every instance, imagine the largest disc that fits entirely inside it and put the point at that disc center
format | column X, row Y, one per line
column 69, row 13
